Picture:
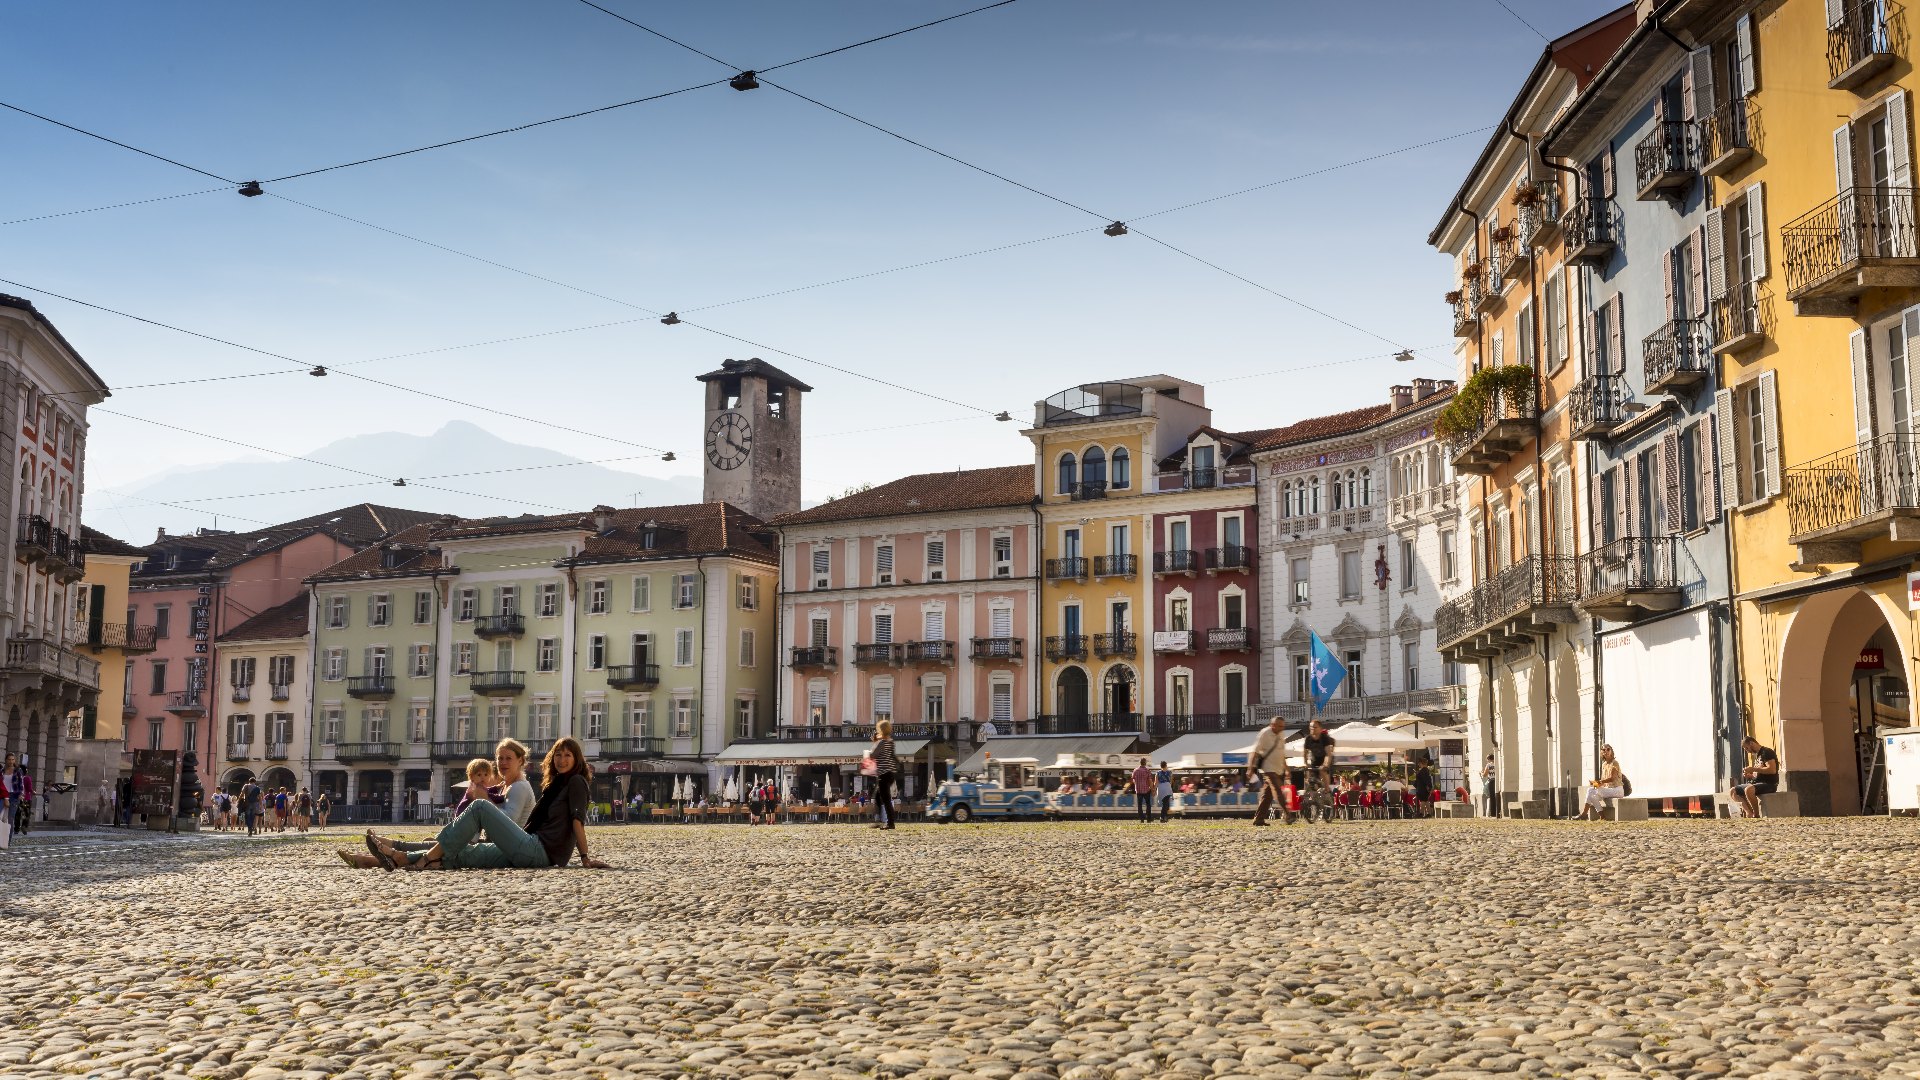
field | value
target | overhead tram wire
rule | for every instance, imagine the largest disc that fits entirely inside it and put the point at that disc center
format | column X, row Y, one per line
column 414, row 480
column 112, row 206
column 118, row 143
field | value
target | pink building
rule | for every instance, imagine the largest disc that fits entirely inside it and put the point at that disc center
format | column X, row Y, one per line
column 195, row 588
column 914, row 601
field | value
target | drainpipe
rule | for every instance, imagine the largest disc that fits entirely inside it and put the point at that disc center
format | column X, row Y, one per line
column 782, row 671
column 700, row 696
column 1039, row 603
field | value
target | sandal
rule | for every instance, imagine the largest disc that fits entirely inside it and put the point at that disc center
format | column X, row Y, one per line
column 417, row 860
column 385, row 860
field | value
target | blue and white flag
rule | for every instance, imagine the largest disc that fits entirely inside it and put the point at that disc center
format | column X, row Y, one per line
column 1327, row 672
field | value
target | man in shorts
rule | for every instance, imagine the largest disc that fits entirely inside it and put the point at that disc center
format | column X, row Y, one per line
column 1319, row 748
column 1760, row 777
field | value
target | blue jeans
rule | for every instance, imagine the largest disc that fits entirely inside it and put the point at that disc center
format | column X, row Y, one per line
column 510, row 845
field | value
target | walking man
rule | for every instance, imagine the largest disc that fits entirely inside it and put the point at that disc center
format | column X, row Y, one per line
column 250, row 805
column 1142, row 784
column 1490, row 787
column 1269, row 763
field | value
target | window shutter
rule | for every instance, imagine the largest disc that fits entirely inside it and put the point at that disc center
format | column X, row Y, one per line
column 935, row 622
column 883, row 699
column 1715, row 232
column 1757, row 228
column 1770, row 415
column 1700, row 72
column 1666, row 280
column 1726, row 449
column 1606, row 172
column 1617, row 331
column 883, row 561
column 366, row 662
column 1597, row 507
column 1899, row 144
column 1587, row 356
column 1499, row 350
column 882, row 629
column 1748, row 75
column 1697, row 274
column 1912, row 328
column 1002, row 702
column 1672, row 482
column 819, row 633
column 1709, row 470
column 1862, row 388
column 1843, row 158
column 1001, row 622
column 1690, row 108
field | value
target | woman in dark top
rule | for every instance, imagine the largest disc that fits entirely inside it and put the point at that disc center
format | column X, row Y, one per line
column 886, row 767
column 556, row 830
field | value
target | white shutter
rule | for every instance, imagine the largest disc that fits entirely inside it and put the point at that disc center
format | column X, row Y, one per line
column 1499, row 350
column 1617, row 332
column 1836, row 12
column 1716, row 254
column 1726, row 447
column 1666, row 281
column 1747, row 77
column 1863, row 424
column 1843, row 157
column 934, row 622
column 1002, row 703
column 936, row 560
column 882, row 629
column 1912, row 328
column 1709, row 467
column 1757, row 228
column 1899, row 142
column 1770, row 415
column 1672, row 484
column 883, row 699
column 1000, row 622
column 1700, row 66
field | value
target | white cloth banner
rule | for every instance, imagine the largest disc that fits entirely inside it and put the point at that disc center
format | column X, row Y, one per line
column 1659, row 705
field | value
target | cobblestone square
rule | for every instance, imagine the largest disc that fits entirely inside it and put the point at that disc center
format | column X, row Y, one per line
column 995, row 951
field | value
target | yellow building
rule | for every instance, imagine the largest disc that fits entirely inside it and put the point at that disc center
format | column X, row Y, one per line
column 96, row 735
column 1816, row 328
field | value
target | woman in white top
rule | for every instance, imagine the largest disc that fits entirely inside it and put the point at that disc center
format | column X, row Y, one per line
column 1610, row 784
column 510, row 759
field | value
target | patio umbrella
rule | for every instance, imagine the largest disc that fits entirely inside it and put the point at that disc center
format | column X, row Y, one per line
column 829, row 785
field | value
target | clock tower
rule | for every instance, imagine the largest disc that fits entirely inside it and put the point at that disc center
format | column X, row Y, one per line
column 751, row 440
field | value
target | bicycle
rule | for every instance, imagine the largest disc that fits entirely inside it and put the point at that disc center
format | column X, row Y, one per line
column 1318, row 798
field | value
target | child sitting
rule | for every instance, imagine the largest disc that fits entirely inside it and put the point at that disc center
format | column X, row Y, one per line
column 480, row 777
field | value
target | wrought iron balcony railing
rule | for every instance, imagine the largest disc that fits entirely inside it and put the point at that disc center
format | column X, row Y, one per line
column 499, row 682
column 462, row 749
column 1073, row 568
column 1508, row 258
column 123, row 636
column 930, row 652
column 511, row 624
column 1163, row 727
column 620, row 676
column 239, row 751
column 1079, row 723
column 1663, row 161
column 998, row 648
column 1855, row 493
column 816, row 656
column 1726, row 137
column 280, row 691
column 1115, row 565
column 1463, row 317
column 1516, row 594
column 1865, row 40
column 1629, row 576
column 1087, row 489
column 1597, row 405
column 1539, row 220
column 1177, row 561
column 370, row 686
column 1230, row 639
column 868, row 653
column 633, row 746
column 1588, row 228
column 1124, row 643
column 1738, row 318
column 242, row 694
column 33, row 538
column 1507, row 422
column 1481, row 292
column 370, row 751
column 187, row 702
column 1067, row 647
column 1678, row 356
column 1230, row 557
column 277, row 751
column 1860, row 239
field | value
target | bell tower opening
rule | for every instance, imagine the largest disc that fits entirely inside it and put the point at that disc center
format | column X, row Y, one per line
column 752, row 437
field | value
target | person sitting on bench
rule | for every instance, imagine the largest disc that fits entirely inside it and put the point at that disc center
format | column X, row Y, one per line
column 1760, row 777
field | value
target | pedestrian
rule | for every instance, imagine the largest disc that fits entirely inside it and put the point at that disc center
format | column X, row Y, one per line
column 1760, row 777
column 1163, row 790
column 19, row 785
column 303, row 809
column 1490, row 787
column 1142, row 787
column 250, row 796
column 1269, row 761
column 885, row 767
column 1610, row 784
column 324, row 806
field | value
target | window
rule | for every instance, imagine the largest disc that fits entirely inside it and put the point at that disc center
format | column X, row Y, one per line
column 239, row 729
column 379, row 609
column 1407, row 580
column 1180, row 694
column 336, row 612
column 1179, row 613
column 503, row 656
column 373, row 723
column 883, row 628
column 822, row 567
column 638, row 713
column 883, row 564
column 463, row 658
column 642, row 646
column 1121, row 468
column 241, row 671
column 280, row 670
column 1563, row 510
column 154, row 728
column 1001, row 698
column 1556, row 320
column 1093, row 468
column 547, row 600
column 1352, row 685
column 642, row 592
column 506, row 600
column 817, row 703
column 596, row 652
column 420, row 661
column 1522, row 339
column 1410, row 663
column 1682, row 464
column 330, row 725
column 1233, row 610
column 936, row 560
column 594, row 719
column 546, row 654
column 745, row 718
column 374, row 661
column 1068, row 474
column 1002, row 556
column 1069, row 543
column 460, row 718
column 1233, row 695
column 882, row 699
column 682, row 718
column 419, row 723
column 1366, row 487
column 500, row 718
column 749, row 593
column 469, row 600
column 1748, row 418
column 817, row 631
column 333, row 665
column 597, row 596
column 686, row 591
column 933, row 703
column 1302, row 678
column 162, row 620
column 1349, row 575
column 1449, row 562
column 1298, row 569
column 683, row 648
column 1177, row 535
column 422, row 608
column 746, row 648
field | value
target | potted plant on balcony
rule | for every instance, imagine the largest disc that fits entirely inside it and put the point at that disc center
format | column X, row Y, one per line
column 1454, row 296
column 1501, row 234
column 1461, row 416
column 1526, row 194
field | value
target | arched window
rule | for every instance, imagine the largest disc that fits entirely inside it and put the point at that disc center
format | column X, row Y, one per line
column 1333, row 493
column 1313, row 495
column 1069, row 472
column 1093, row 468
column 1122, row 468
column 1286, row 499
column 1366, row 487
column 1352, row 491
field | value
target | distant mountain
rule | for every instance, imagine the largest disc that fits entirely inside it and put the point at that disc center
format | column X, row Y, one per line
column 279, row 490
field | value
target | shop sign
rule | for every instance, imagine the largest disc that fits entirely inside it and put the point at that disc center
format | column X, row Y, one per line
column 1913, row 591
column 1870, row 660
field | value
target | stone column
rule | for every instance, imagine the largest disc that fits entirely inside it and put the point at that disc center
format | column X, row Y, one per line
column 399, row 794
column 353, row 787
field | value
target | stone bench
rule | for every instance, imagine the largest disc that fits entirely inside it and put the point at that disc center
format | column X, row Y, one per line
column 1627, row 809
column 1778, row 804
column 1453, row 810
column 1530, row 810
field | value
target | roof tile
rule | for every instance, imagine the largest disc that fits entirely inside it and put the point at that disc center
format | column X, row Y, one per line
column 926, row 493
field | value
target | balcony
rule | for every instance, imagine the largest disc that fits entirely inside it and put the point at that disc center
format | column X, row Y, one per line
column 1067, row 647
column 1522, row 602
column 1440, row 497
column 1865, row 492
column 372, row 751
column 187, row 703
column 872, row 654
column 34, row 540
column 1725, row 139
column 1663, row 161
column 815, row 656
column 1069, row 569
column 242, row 694
column 1204, row 478
column 1105, row 566
column 239, row 751
column 1463, row 317
column 1123, row 644
column 1481, row 292
column 623, row 676
column 499, row 626
column 1588, row 228
column 370, row 686
column 1861, row 239
column 1631, row 578
column 67, row 561
column 1080, row 724
column 1508, row 257
column 1180, row 561
column 1738, row 319
column 1446, row 703
column 499, row 682
column 1173, row 641
column 1164, row 728
column 1507, row 423
column 1093, row 402
column 1539, row 218
column 930, row 652
column 280, row 692
column 1087, row 489
column 1233, row 558
column 1866, row 40
column 133, row 639
column 1230, row 639
column 1597, row 405
column 462, row 750
column 633, row 746
column 1678, row 356
column 277, row 751
column 998, row 648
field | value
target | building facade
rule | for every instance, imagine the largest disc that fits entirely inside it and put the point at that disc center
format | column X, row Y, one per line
column 96, row 733
column 265, row 699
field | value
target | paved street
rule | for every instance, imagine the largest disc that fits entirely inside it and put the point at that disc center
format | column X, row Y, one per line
column 1424, row 949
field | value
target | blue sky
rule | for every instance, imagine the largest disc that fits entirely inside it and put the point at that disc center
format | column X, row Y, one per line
column 1124, row 107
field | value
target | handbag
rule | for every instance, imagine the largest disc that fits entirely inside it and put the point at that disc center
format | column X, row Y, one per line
column 868, row 766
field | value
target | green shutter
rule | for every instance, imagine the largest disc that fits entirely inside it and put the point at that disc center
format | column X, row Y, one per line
column 90, row 716
column 95, row 603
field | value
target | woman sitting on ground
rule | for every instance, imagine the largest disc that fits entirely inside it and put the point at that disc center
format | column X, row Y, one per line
column 514, row 795
column 555, row 830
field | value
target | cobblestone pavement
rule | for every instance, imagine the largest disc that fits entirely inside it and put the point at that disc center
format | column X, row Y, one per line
column 1061, row 950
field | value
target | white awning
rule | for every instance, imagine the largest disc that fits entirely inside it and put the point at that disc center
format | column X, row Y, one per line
column 1046, row 749
column 1206, row 742
column 811, row 752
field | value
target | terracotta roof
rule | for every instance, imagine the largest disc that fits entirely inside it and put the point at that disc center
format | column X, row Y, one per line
column 413, row 545
column 289, row 620
column 926, row 493
column 99, row 543
column 356, row 526
column 1346, row 423
column 756, row 366
column 363, row 524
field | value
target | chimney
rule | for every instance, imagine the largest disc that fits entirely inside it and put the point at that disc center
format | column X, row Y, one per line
column 1402, row 397
column 1425, row 388
column 602, row 518
column 161, row 537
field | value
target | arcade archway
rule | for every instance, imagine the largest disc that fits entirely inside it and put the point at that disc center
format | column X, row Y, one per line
column 1843, row 675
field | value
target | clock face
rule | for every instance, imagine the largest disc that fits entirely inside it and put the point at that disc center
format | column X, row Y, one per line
column 729, row 440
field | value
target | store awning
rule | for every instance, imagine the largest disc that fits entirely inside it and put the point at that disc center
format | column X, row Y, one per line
column 1206, row 742
column 811, row 752
column 655, row 767
column 1044, row 748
